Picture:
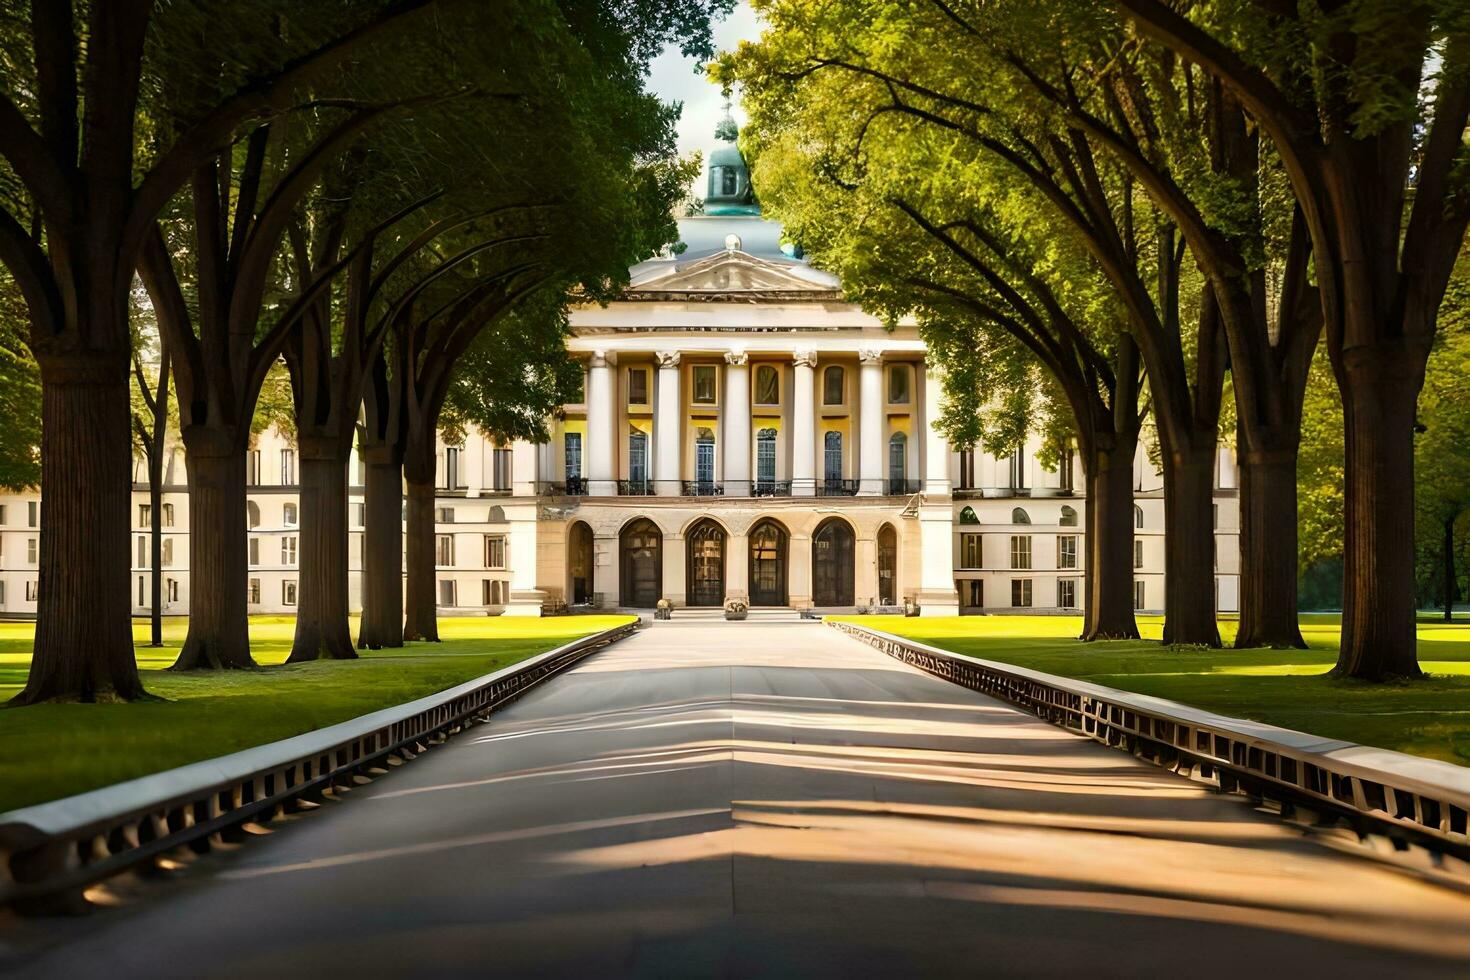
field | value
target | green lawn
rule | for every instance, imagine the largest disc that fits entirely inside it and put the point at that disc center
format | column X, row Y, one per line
column 1282, row 687
column 47, row 751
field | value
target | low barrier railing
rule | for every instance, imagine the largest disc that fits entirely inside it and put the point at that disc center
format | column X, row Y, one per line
column 1376, row 791
column 52, row 852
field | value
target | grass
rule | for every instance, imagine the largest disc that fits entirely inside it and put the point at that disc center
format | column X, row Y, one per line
column 53, row 750
column 1281, row 687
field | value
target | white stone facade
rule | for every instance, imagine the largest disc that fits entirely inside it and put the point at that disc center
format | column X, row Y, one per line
column 744, row 433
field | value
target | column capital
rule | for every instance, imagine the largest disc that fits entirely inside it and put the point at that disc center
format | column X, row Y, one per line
column 870, row 355
column 668, row 358
column 602, row 358
column 804, row 358
column 737, row 358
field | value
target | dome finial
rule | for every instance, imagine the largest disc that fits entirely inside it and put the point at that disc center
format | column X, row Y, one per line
column 726, row 129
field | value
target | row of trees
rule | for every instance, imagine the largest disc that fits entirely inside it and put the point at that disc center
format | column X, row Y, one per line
column 1149, row 209
column 369, row 193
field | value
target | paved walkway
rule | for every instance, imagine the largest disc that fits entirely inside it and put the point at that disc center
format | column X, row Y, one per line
column 769, row 800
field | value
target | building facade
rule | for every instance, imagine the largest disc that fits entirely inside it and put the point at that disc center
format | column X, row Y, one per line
column 743, row 433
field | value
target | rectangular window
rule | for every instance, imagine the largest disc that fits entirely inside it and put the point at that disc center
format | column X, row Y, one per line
column 145, row 515
column 573, row 449
column 967, row 469
column 494, row 551
column 1021, row 551
column 255, row 551
column 1067, row 551
column 500, row 469
column 173, row 590
column 446, row 592
column 1215, row 516
column 970, row 551
column 33, row 513
column 767, row 385
column 168, row 552
column 288, row 550
column 168, row 515
column 252, row 468
column 443, row 515
column 288, row 592
column 704, row 384
column 141, row 592
column 974, row 593
column 765, row 456
column 288, row 467
column 638, row 457
column 1138, row 595
column 637, row 386
column 704, row 461
column 451, row 469
column 1018, row 470
column 254, row 593
column 898, row 384
column 32, row 591
column 3, row 521
column 31, row 555
column 1021, row 592
column 359, row 515
column 444, row 549
column 1067, row 593
column 1137, row 553
column 489, row 593
column 142, row 552
column 1066, row 471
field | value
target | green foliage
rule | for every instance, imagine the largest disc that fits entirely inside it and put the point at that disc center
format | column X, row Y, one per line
column 20, row 406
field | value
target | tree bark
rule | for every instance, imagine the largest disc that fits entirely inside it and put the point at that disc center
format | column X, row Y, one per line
column 1110, row 547
column 382, row 576
column 1189, row 548
column 84, row 640
column 322, row 629
column 421, row 613
column 1449, row 568
column 219, row 628
column 1380, row 394
column 1268, row 551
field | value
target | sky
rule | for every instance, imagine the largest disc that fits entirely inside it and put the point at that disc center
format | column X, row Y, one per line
column 672, row 76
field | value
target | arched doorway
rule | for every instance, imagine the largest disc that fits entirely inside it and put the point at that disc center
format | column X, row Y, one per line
column 579, row 564
column 705, row 550
column 641, row 546
column 887, row 566
column 768, row 564
column 832, row 560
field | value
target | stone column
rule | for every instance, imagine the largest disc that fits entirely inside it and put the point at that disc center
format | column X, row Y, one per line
column 605, row 570
column 675, row 589
column 799, row 571
column 525, row 464
column 803, row 425
column 936, row 447
column 870, row 405
column 735, row 424
column 525, row 597
column 737, row 568
column 668, row 426
column 602, row 430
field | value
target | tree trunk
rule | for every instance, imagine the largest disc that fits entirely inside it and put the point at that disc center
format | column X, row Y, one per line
column 1110, row 547
column 155, row 534
column 84, row 637
column 1449, row 569
column 1089, row 527
column 1380, row 392
column 322, row 629
column 382, row 577
column 1189, row 548
column 421, row 616
column 219, row 572
column 1268, row 551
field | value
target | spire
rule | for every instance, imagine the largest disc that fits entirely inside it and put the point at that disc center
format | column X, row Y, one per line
column 726, row 129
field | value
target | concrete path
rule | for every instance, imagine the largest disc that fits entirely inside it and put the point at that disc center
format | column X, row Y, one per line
column 750, row 800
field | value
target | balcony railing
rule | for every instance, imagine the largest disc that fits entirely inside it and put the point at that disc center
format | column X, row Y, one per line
column 837, row 488
column 702, row 488
column 770, row 488
column 900, row 488
column 574, row 487
column 635, row 488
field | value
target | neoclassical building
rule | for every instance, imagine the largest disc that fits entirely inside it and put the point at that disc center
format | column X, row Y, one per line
column 743, row 432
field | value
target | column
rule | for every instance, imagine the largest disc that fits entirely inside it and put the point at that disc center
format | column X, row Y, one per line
column 605, row 570
column 675, row 589
column 936, row 446
column 936, row 594
column 870, row 405
column 799, row 571
column 525, row 597
column 735, row 427
column 803, row 425
column 668, row 426
column 602, row 432
column 525, row 463
column 737, row 567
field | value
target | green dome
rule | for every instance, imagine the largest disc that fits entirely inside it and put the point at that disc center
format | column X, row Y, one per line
column 729, row 184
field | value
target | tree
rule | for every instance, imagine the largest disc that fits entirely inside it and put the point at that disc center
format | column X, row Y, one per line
column 20, row 399
column 151, row 422
column 84, row 184
column 1366, row 106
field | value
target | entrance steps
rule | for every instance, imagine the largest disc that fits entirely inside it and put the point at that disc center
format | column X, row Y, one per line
column 717, row 615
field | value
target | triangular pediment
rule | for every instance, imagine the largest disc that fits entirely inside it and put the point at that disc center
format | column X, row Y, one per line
column 730, row 272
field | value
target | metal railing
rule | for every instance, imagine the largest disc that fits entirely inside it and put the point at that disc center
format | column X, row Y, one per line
column 574, row 487
column 770, row 488
column 635, row 488
column 837, row 488
column 702, row 488
column 51, row 852
column 900, row 488
column 1315, row 780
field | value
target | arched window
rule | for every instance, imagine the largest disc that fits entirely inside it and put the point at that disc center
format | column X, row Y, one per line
column 496, row 515
column 252, row 514
column 765, row 457
column 1137, row 516
column 887, row 566
column 967, row 516
column 288, row 514
column 637, row 456
column 832, row 457
column 1069, row 516
column 767, row 385
column 704, row 456
column 1019, row 516
column 898, row 459
column 832, row 383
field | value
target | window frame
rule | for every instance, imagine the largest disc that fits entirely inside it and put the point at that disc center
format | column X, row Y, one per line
column 639, row 372
column 899, row 370
column 1022, row 593
column 1067, row 551
column 695, row 372
column 1021, row 552
column 841, row 376
column 775, row 374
